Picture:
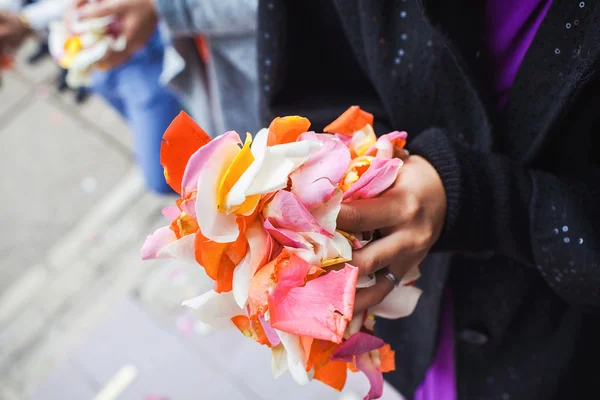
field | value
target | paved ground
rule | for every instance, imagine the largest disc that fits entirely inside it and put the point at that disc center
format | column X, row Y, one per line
column 81, row 317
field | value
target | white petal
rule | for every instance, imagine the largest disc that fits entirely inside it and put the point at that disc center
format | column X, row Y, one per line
column 215, row 309
column 182, row 249
column 243, row 273
column 329, row 248
column 118, row 44
column 365, row 281
column 296, row 359
column 326, row 215
column 86, row 58
column 400, row 303
column 259, row 144
column 96, row 24
column 241, row 281
column 354, row 325
column 411, row 276
column 57, row 37
column 278, row 360
column 271, row 171
column 214, row 225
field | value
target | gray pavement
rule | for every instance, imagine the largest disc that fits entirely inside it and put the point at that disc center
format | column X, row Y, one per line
column 81, row 317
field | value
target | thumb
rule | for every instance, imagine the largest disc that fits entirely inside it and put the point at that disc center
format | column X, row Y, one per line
column 101, row 9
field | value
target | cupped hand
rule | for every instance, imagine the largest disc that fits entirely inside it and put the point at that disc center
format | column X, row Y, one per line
column 410, row 216
column 137, row 22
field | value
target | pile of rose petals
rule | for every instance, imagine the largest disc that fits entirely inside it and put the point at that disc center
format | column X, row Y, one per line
column 259, row 215
column 79, row 46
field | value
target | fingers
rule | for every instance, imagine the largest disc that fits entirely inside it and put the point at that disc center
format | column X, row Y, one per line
column 366, row 215
column 367, row 298
column 377, row 254
column 101, row 9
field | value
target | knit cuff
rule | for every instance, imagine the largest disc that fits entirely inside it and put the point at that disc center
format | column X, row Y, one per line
column 437, row 149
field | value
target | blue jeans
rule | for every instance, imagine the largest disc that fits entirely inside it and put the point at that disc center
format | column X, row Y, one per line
column 133, row 89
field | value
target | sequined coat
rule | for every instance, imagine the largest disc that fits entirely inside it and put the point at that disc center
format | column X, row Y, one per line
column 521, row 243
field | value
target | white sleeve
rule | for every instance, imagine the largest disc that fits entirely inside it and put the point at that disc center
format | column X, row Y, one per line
column 39, row 15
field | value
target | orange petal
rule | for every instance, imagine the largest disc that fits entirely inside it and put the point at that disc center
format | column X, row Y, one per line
column 260, row 285
column 321, row 352
column 387, row 359
column 306, row 343
column 333, row 374
column 238, row 166
column 184, row 225
column 251, row 328
column 181, row 139
column 287, row 129
column 224, row 281
column 209, row 254
column 352, row 120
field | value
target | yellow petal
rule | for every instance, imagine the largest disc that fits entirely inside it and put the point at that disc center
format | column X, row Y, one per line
column 239, row 165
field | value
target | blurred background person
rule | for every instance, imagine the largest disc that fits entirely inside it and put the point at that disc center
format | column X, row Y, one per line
column 212, row 59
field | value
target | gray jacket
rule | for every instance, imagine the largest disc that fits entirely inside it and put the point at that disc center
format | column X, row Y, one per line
column 222, row 95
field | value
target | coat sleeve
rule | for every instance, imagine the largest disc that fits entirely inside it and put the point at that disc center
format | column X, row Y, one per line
column 209, row 17
column 546, row 221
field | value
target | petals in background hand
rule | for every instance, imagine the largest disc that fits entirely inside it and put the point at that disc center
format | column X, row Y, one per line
column 215, row 309
column 379, row 177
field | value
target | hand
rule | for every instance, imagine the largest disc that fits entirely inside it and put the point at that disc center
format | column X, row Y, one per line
column 410, row 217
column 12, row 31
column 137, row 21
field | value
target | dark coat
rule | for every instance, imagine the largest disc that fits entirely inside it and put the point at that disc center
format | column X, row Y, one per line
column 521, row 243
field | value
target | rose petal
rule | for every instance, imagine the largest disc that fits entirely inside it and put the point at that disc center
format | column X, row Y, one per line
column 296, row 358
column 327, row 212
column 171, row 213
column 379, row 177
column 286, row 211
column 387, row 145
column 155, row 242
column 181, row 249
column 286, row 237
column 269, row 331
column 287, row 129
column 320, row 309
column 330, row 163
column 258, row 248
column 356, row 344
column 330, row 251
column 362, row 140
column 368, row 366
column 271, row 170
column 215, row 309
column 400, row 303
column 179, row 153
column 279, row 362
column 350, row 121
column 366, row 281
column 215, row 158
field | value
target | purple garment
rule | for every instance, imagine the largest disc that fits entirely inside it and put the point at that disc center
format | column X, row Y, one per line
column 510, row 26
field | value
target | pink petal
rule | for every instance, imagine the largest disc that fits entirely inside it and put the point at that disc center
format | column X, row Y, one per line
column 326, row 212
column 269, row 331
column 201, row 157
column 286, row 237
column 384, row 147
column 369, row 367
column 171, row 213
column 329, row 163
column 356, row 344
column 286, row 211
column 378, row 178
column 320, row 309
column 155, row 242
column 209, row 165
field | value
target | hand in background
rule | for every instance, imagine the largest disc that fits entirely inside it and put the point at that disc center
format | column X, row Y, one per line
column 12, row 31
column 137, row 22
